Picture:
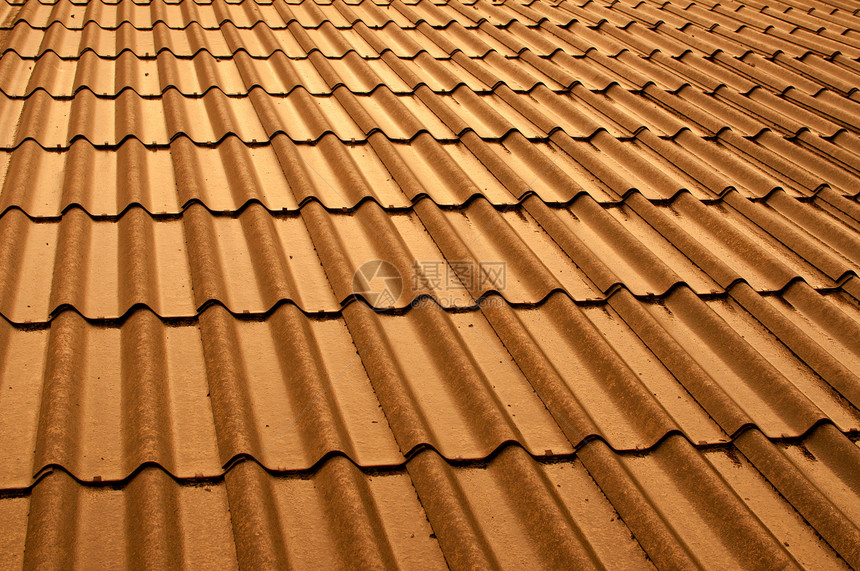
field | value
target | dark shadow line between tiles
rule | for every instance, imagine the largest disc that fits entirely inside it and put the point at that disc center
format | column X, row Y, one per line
column 286, row 94
column 154, row 54
column 289, row 213
column 147, row 56
column 423, row 448
column 151, row 145
column 516, row 204
column 417, row 302
column 545, row 138
column 833, row 290
column 127, row 24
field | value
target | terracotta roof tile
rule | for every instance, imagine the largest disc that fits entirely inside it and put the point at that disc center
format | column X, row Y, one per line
column 429, row 283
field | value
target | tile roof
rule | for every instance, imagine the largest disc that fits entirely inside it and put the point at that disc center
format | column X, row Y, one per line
column 624, row 243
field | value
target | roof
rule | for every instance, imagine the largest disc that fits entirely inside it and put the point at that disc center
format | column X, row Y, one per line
column 427, row 284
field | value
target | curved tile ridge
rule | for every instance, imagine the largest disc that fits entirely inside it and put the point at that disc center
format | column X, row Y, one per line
column 596, row 508
column 289, row 389
column 177, row 265
column 548, row 457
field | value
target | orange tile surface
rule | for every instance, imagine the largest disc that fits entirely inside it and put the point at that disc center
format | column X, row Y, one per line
column 197, row 369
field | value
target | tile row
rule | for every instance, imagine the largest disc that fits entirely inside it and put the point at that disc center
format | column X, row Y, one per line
column 708, row 35
column 287, row 389
column 302, row 117
column 750, row 504
column 822, row 7
column 278, row 15
column 536, row 115
column 247, row 14
column 576, row 38
column 696, row 58
column 732, row 82
column 282, row 175
column 253, row 260
column 192, row 395
column 278, row 74
column 808, row 15
column 259, row 41
column 732, row 16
